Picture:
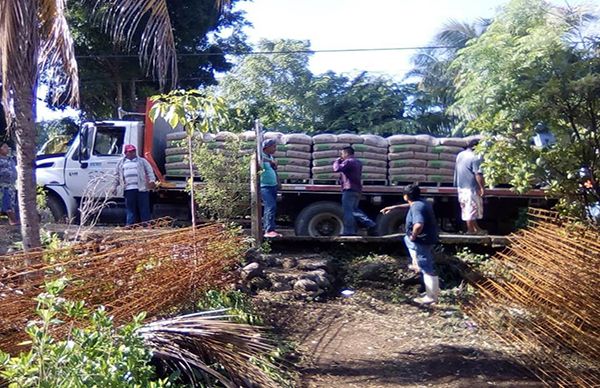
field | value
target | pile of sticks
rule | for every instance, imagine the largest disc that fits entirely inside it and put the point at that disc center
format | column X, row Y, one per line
column 152, row 269
column 544, row 299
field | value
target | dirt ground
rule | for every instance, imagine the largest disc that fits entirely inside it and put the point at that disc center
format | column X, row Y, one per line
column 366, row 341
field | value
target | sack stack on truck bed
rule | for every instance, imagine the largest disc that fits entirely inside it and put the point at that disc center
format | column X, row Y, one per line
column 293, row 157
column 397, row 159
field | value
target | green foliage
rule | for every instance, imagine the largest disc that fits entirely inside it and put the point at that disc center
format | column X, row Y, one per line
column 224, row 194
column 533, row 64
column 200, row 32
column 60, row 131
column 238, row 304
column 281, row 91
column 95, row 354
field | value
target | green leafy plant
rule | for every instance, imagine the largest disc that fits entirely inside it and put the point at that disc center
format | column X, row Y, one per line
column 224, row 193
column 95, row 353
column 238, row 304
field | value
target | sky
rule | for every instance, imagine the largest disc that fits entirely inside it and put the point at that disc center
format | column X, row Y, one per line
column 358, row 24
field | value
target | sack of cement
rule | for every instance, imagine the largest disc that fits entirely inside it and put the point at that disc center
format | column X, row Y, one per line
column 296, row 138
column 225, row 136
column 453, row 141
column 427, row 140
column 283, row 176
column 374, row 163
column 440, row 171
column 444, row 149
column 248, row 136
column 401, row 139
column 324, row 138
column 351, row 138
column 322, row 170
column 370, row 155
column 277, row 136
column 374, row 177
column 176, row 151
column 408, row 147
column 292, row 168
column 176, row 135
column 426, row 156
column 326, row 154
column 401, row 155
column 448, row 157
column 329, row 146
column 408, row 178
column 326, row 176
column 293, row 161
column 294, row 147
column 408, row 163
column 441, row 164
column 375, row 141
column 323, row 162
column 374, row 170
column 370, row 148
column 408, row 171
column 439, row 178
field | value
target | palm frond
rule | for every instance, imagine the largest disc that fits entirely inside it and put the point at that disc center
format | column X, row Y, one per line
column 195, row 343
column 18, row 48
column 57, row 55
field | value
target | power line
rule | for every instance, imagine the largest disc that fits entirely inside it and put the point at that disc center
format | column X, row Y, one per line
column 247, row 53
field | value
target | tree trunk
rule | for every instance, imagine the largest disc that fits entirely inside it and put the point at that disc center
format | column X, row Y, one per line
column 26, row 186
column 20, row 68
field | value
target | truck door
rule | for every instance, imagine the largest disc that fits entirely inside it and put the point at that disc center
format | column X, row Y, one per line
column 91, row 167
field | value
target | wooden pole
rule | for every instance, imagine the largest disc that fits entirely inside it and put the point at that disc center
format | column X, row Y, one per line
column 255, row 198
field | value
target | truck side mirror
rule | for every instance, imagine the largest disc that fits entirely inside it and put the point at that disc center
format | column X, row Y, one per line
column 83, row 153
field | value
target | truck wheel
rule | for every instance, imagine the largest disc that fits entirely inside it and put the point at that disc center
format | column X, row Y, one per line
column 392, row 223
column 57, row 209
column 320, row 219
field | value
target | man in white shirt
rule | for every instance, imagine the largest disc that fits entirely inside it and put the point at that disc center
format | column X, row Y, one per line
column 137, row 178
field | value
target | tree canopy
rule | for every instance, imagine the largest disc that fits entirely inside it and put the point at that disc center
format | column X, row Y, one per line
column 534, row 64
column 110, row 76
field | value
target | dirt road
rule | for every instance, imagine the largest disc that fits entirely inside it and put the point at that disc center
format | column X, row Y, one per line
column 364, row 341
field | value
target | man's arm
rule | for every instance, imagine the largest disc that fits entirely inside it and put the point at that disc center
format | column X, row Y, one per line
column 340, row 165
column 416, row 230
column 481, row 182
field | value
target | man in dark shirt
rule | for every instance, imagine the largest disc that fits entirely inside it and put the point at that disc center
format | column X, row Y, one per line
column 350, row 170
column 421, row 237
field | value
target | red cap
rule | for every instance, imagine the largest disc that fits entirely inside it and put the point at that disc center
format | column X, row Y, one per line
column 129, row 147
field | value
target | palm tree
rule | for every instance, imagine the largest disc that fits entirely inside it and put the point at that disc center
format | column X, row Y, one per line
column 432, row 65
column 35, row 38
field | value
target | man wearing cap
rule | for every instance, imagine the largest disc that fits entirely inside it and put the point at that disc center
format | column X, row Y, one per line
column 135, row 175
column 421, row 236
column 269, row 183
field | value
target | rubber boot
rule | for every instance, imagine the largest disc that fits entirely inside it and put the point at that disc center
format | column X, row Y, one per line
column 432, row 290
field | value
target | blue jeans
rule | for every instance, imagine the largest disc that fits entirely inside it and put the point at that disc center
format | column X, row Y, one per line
column 352, row 213
column 269, row 199
column 424, row 254
column 137, row 206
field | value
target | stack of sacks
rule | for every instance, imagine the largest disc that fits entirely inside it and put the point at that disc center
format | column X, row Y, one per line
column 408, row 158
column 176, row 153
column 247, row 142
column 326, row 149
column 293, row 157
column 442, row 169
column 372, row 152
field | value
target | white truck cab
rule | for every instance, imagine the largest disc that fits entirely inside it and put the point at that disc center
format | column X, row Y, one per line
column 93, row 152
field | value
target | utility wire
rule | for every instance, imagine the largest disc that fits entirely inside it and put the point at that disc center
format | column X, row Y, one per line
column 247, row 53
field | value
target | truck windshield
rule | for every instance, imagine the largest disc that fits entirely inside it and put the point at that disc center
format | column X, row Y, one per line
column 56, row 146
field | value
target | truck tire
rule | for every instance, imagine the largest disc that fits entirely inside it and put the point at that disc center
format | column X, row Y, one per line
column 320, row 219
column 57, row 209
column 392, row 223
